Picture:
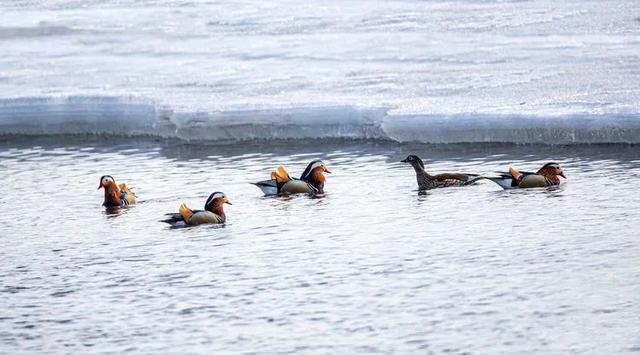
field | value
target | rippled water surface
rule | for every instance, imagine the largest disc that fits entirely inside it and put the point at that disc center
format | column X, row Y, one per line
column 373, row 267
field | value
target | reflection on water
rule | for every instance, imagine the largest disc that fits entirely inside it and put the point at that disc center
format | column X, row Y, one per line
column 374, row 266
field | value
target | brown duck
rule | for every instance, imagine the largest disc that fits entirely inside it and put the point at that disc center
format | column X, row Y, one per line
column 116, row 195
column 547, row 176
column 310, row 182
column 213, row 212
column 427, row 181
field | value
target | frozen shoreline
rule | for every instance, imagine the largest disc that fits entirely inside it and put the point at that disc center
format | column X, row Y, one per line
column 144, row 117
column 404, row 71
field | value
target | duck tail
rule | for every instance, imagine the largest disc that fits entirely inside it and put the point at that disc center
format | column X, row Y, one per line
column 474, row 179
column 173, row 218
column 268, row 187
column 506, row 182
column 185, row 212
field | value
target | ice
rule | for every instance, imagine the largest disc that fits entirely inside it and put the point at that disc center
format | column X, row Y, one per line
column 137, row 117
column 476, row 71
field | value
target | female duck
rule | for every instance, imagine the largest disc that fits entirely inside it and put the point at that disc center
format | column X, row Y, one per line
column 427, row 181
column 311, row 181
column 213, row 212
column 116, row 195
column 546, row 176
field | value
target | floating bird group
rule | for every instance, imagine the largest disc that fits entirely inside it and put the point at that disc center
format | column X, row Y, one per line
column 312, row 182
column 547, row 176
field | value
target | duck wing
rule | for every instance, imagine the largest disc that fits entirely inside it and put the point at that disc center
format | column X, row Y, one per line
column 297, row 186
column 203, row 217
column 178, row 219
column 453, row 179
column 127, row 196
column 534, row 180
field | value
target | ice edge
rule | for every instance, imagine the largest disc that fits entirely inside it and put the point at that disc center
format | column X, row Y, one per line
column 132, row 116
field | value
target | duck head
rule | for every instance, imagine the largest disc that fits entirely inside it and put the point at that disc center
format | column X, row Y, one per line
column 314, row 172
column 107, row 182
column 215, row 201
column 551, row 170
column 111, row 191
column 416, row 162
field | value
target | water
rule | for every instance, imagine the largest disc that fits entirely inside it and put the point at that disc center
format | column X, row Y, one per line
column 427, row 71
column 374, row 267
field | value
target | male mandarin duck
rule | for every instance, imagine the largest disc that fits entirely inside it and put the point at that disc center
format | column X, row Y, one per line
column 116, row 195
column 213, row 212
column 427, row 181
column 311, row 181
column 546, row 176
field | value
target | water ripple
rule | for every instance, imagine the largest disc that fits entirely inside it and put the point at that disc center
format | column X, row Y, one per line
column 374, row 266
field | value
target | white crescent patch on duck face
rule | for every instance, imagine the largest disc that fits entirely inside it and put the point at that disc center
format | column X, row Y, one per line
column 106, row 179
column 215, row 196
column 316, row 164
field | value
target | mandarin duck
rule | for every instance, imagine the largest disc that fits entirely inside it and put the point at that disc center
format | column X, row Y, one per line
column 213, row 212
column 427, row 181
column 546, row 176
column 116, row 195
column 310, row 182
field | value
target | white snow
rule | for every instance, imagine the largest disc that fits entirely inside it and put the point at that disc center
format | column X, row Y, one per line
column 455, row 71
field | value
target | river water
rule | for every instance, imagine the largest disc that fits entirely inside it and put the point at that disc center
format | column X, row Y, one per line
column 373, row 267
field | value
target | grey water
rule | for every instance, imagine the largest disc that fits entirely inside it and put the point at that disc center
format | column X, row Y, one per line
column 373, row 267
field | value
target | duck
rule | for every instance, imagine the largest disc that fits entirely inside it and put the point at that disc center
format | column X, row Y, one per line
column 116, row 195
column 547, row 176
column 427, row 181
column 310, row 182
column 213, row 212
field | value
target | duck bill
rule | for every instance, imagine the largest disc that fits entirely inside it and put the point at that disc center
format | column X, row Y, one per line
column 562, row 174
column 327, row 171
column 100, row 186
column 403, row 161
column 228, row 202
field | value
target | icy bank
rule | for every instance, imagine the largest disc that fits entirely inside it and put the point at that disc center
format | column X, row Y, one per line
column 135, row 117
column 514, row 128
